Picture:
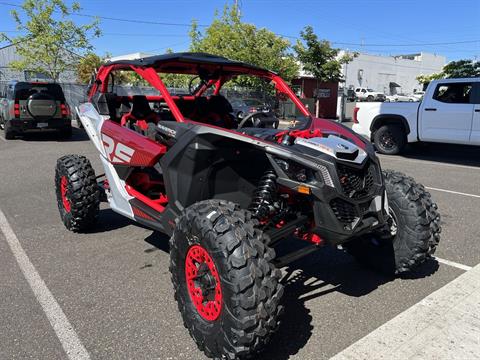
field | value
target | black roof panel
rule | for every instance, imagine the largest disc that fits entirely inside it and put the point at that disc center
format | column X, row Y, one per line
column 185, row 57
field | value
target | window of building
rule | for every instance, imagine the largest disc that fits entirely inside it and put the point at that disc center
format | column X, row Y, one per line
column 453, row 93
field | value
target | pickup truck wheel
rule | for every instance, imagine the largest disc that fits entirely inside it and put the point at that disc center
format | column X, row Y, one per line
column 370, row 98
column 226, row 286
column 389, row 139
column 413, row 231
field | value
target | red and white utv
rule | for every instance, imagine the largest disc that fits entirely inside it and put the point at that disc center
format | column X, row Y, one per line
column 228, row 192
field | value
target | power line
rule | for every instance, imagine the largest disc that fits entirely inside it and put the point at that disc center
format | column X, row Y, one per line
column 417, row 44
column 362, row 45
column 135, row 21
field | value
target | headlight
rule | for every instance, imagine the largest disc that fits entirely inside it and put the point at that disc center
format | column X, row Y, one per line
column 300, row 173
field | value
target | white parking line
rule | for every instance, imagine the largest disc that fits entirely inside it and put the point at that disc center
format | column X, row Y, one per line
column 63, row 329
column 399, row 158
column 443, row 326
column 452, row 263
column 453, row 192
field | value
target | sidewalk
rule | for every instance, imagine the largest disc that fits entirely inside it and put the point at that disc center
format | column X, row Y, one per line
column 443, row 326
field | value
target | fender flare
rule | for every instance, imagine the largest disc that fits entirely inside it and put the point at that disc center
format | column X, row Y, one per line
column 379, row 119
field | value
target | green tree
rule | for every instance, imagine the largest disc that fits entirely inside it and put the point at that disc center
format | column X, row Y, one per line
column 425, row 79
column 228, row 36
column 50, row 42
column 462, row 69
column 86, row 66
column 454, row 69
column 319, row 58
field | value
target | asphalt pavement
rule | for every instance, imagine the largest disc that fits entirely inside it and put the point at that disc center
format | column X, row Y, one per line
column 113, row 284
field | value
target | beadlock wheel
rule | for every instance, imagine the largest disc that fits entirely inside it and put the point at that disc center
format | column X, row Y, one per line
column 225, row 283
column 63, row 190
column 203, row 283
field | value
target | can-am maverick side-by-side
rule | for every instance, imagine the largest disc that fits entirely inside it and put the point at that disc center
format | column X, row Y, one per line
column 228, row 190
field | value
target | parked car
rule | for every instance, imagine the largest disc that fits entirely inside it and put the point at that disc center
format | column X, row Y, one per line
column 243, row 107
column 366, row 94
column 28, row 106
column 228, row 193
column 400, row 98
column 418, row 95
column 448, row 113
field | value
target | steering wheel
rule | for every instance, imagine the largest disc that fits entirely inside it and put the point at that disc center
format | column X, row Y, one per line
column 254, row 118
column 192, row 88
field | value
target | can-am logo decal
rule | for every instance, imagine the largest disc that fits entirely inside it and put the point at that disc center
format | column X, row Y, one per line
column 116, row 151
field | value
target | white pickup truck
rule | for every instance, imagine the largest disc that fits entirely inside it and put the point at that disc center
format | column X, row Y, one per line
column 448, row 113
column 366, row 94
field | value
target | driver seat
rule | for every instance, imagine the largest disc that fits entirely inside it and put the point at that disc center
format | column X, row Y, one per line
column 140, row 114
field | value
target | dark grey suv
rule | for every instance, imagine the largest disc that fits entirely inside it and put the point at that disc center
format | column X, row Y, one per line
column 28, row 106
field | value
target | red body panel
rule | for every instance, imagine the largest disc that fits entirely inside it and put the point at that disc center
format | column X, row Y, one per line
column 127, row 147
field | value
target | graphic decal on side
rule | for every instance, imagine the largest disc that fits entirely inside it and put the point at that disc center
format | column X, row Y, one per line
column 116, row 151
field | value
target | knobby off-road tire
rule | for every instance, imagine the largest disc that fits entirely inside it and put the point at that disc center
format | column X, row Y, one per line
column 417, row 222
column 77, row 193
column 249, row 282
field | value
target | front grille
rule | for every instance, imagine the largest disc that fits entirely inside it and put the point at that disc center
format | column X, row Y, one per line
column 356, row 183
column 344, row 211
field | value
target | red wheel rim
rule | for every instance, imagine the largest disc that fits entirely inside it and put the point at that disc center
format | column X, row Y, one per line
column 203, row 283
column 63, row 190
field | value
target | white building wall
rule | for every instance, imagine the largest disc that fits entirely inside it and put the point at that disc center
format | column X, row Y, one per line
column 377, row 72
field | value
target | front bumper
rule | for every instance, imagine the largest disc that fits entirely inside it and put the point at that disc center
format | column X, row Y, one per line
column 341, row 213
column 350, row 204
column 24, row 125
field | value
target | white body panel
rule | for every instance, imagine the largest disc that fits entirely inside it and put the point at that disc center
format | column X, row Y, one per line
column 117, row 195
column 368, row 111
column 92, row 122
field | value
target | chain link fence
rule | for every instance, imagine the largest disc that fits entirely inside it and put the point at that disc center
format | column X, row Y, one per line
column 75, row 94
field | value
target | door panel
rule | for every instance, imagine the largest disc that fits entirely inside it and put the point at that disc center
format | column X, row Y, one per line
column 448, row 115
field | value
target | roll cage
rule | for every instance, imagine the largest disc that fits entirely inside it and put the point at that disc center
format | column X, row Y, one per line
column 214, row 71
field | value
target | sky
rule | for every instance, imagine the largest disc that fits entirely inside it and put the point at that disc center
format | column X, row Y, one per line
column 450, row 28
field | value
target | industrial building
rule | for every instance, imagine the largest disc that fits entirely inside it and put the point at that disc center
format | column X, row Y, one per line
column 390, row 74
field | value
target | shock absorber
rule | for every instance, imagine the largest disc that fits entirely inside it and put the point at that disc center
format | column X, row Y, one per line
column 264, row 197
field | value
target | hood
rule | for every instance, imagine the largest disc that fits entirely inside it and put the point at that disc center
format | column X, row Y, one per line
column 334, row 128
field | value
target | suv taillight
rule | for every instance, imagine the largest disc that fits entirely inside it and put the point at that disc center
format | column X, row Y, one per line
column 65, row 110
column 355, row 115
column 16, row 109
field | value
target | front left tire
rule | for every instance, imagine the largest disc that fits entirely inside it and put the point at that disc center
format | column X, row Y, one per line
column 78, row 195
column 227, row 288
